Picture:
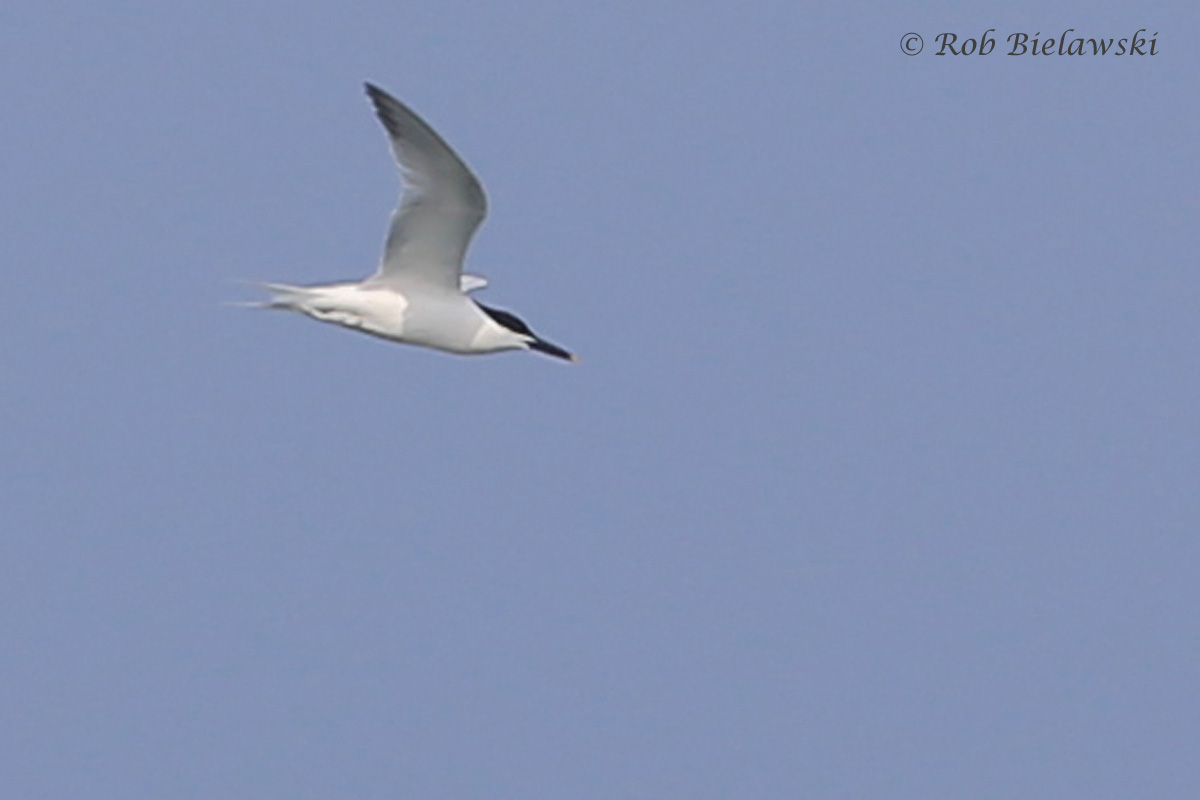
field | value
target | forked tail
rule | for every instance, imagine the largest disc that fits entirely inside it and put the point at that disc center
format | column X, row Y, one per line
column 283, row 296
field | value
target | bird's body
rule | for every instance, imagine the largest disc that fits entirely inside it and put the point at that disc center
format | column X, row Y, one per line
column 419, row 294
column 442, row 320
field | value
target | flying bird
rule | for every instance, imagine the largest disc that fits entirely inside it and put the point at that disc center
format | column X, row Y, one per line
column 419, row 295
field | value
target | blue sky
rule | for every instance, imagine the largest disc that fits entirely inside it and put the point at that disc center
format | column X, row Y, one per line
column 878, row 477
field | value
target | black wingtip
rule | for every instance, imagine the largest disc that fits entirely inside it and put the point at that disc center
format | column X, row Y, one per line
column 385, row 108
column 377, row 95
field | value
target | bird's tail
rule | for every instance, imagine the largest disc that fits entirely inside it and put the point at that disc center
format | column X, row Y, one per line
column 283, row 296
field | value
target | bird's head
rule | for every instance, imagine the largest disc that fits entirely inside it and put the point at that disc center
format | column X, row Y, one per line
column 523, row 336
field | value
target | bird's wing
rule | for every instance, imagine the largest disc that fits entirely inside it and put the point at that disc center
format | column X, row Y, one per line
column 471, row 283
column 441, row 206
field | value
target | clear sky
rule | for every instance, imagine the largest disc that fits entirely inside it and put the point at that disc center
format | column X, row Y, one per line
column 879, row 477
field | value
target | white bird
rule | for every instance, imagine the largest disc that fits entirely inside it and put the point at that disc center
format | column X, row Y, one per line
column 418, row 295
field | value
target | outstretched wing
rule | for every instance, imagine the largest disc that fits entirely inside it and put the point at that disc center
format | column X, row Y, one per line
column 441, row 206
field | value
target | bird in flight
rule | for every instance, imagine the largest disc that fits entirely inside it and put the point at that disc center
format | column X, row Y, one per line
column 419, row 294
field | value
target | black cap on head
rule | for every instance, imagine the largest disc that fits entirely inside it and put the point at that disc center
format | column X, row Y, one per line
column 517, row 325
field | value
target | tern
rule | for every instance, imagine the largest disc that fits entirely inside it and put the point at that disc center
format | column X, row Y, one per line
column 419, row 295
